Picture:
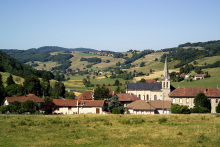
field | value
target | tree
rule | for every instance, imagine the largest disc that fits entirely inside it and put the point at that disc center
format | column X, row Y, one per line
column 142, row 64
column 58, row 90
column 32, row 85
column 2, row 90
column 47, row 106
column 179, row 109
column 218, row 108
column 117, row 82
column 201, row 100
column 84, row 81
column 10, row 80
column 101, row 93
column 14, row 90
column 30, row 106
column 115, row 103
column 70, row 95
column 142, row 81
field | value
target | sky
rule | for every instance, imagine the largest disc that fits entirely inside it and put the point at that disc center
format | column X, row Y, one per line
column 116, row 25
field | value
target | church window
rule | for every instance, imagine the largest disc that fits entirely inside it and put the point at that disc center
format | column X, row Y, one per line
column 139, row 96
column 155, row 97
column 147, row 97
column 163, row 84
column 167, row 85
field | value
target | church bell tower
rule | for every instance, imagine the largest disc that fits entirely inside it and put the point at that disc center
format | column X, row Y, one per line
column 166, row 81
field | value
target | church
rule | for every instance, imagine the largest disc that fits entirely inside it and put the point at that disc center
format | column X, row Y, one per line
column 152, row 91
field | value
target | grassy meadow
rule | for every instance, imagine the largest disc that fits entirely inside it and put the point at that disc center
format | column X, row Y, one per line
column 110, row 130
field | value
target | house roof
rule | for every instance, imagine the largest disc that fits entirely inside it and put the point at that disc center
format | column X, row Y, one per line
column 24, row 98
column 200, row 75
column 193, row 91
column 127, row 97
column 140, row 105
column 73, row 103
column 149, row 105
column 151, row 81
column 144, row 86
column 158, row 104
column 85, row 96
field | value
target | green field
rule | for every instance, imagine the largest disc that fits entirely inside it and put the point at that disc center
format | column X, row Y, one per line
column 110, row 130
column 212, row 81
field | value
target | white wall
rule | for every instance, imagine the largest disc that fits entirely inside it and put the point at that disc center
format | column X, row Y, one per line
column 81, row 110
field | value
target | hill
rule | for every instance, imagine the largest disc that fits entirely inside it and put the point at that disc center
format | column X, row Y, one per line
column 60, row 49
column 15, row 67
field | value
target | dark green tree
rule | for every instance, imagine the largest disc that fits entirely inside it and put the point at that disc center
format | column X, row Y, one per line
column 10, row 80
column 101, row 93
column 30, row 106
column 2, row 90
column 201, row 100
column 58, row 90
column 218, row 108
column 115, row 103
column 142, row 64
column 32, row 85
column 70, row 95
column 117, row 82
column 142, row 81
column 14, row 90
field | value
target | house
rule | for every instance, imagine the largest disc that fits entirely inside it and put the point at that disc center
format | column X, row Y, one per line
column 23, row 99
column 152, row 91
column 85, row 96
column 66, row 106
column 149, row 107
column 151, row 81
column 186, row 95
column 126, row 98
column 199, row 76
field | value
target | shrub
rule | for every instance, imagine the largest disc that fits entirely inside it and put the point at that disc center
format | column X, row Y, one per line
column 179, row 133
column 199, row 110
column 4, row 109
column 180, row 109
column 162, row 120
column 116, row 111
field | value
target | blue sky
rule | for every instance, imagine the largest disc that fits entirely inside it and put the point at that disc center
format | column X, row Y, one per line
column 117, row 25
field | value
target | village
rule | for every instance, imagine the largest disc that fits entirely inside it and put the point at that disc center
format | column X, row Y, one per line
column 151, row 97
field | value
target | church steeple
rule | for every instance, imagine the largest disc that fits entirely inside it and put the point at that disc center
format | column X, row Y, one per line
column 165, row 75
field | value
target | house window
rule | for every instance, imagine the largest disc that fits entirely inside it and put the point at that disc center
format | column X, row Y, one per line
column 139, row 96
column 174, row 100
column 187, row 101
column 216, row 101
column 147, row 97
column 167, row 85
column 163, row 84
column 69, row 108
column 181, row 101
column 155, row 97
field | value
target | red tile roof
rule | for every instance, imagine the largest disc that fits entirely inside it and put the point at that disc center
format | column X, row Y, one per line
column 24, row 98
column 85, row 96
column 73, row 103
column 182, row 75
column 151, row 81
column 127, row 97
column 193, row 91
column 200, row 75
column 149, row 105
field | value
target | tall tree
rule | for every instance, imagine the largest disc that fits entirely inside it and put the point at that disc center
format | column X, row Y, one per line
column 10, row 80
column 58, row 90
column 115, row 103
column 32, row 85
column 2, row 90
column 201, row 100
column 101, row 93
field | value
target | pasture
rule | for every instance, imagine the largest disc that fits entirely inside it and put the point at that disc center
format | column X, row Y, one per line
column 110, row 130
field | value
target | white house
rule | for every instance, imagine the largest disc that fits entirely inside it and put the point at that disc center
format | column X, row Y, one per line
column 64, row 106
column 149, row 107
column 23, row 99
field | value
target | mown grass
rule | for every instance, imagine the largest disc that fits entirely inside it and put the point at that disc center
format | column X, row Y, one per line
column 109, row 130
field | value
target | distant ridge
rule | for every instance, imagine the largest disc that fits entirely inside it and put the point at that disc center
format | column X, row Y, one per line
column 61, row 49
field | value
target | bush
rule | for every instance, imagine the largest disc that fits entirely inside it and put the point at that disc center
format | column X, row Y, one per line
column 199, row 110
column 116, row 111
column 3, row 109
column 179, row 109
column 162, row 120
